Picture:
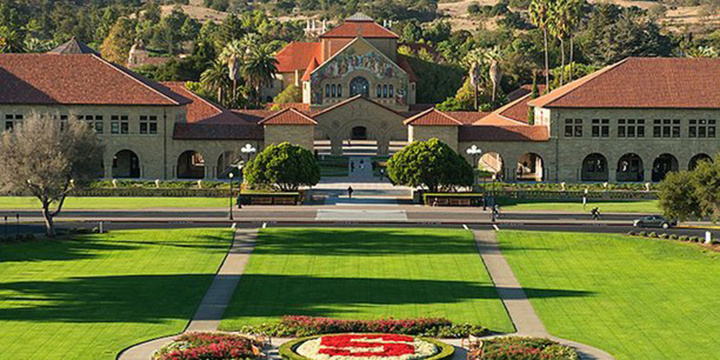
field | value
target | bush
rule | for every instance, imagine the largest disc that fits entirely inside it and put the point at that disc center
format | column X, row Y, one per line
column 642, row 233
column 695, row 239
column 673, row 237
column 210, row 346
column 284, row 166
column 632, row 233
column 663, row 236
column 683, row 238
column 307, row 325
column 514, row 347
column 652, row 235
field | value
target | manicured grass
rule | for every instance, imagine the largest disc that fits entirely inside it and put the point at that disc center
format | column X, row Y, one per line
column 333, row 166
column 90, row 296
column 26, row 202
column 366, row 274
column 646, row 299
column 642, row 206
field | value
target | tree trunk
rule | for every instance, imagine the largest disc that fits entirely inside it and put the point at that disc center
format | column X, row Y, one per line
column 562, row 61
column 547, row 62
column 48, row 217
column 476, row 97
column 571, row 59
column 234, row 91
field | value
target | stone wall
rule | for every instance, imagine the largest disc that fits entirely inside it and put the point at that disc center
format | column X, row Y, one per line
column 446, row 134
column 301, row 135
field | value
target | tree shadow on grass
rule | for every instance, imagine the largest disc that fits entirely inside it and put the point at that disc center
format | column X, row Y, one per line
column 278, row 295
column 105, row 299
column 362, row 242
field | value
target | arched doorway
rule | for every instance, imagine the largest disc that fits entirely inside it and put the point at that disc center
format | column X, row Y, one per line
column 126, row 164
column 191, row 165
column 359, row 85
column 530, row 168
column 662, row 165
column 226, row 163
column 630, row 168
column 594, row 168
column 696, row 159
column 492, row 163
column 359, row 133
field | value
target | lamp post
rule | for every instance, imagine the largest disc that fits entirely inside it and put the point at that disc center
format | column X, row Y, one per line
column 230, row 207
column 474, row 151
column 248, row 150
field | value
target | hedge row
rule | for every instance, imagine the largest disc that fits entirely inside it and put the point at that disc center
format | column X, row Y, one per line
column 297, row 326
column 514, row 347
column 210, row 346
column 664, row 236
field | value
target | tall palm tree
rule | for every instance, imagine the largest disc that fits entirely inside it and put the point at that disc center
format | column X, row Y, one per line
column 215, row 79
column 559, row 28
column 540, row 17
column 259, row 69
column 575, row 15
column 475, row 61
column 493, row 57
column 232, row 56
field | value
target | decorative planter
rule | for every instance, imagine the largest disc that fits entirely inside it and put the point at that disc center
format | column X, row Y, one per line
column 365, row 347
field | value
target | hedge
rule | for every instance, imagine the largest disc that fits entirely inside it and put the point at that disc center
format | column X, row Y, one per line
column 287, row 350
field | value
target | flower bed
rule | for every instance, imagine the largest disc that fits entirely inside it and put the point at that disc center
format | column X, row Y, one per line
column 308, row 325
column 210, row 346
column 520, row 348
column 364, row 347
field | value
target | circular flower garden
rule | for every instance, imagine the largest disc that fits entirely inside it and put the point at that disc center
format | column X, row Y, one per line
column 365, row 346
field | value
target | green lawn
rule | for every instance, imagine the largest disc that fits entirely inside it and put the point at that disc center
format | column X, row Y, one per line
column 643, row 206
column 366, row 274
column 645, row 299
column 26, row 202
column 91, row 296
column 335, row 166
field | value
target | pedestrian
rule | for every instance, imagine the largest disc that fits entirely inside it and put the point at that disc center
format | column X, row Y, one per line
column 496, row 211
column 382, row 174
column 350, row 191
column 352, row 166
column 595, row 213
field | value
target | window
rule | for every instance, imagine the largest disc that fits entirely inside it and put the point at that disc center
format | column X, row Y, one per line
column 631, row 128
column 600, row 128
column 573, row 128
column 99, row 125
column 148, row 124
column 666, row 128
column 339, row 90
column 379, row 91
column 702, row 128
column 327, row 90
column 119, row 124
column 391, row 91
column 384, row 91
column 12, row 121
column 334, row 90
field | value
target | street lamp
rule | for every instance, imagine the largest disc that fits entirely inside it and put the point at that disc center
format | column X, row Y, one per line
column 249, row 150
column 474, row 151
column 230, row 207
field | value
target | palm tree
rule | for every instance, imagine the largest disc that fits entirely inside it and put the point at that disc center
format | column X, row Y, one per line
column 493, row 57
column 540, row 17
column 259, row 69
column 575, row 14
column 11, row 41
column 702, row 52
column 215, row 79
column 559, row 28
column 475, row 60
column 231, row 56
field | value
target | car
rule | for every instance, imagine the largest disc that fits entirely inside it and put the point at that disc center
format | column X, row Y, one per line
column 654, row 221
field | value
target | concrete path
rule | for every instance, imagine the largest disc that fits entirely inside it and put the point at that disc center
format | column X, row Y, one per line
column 519, row 308
column 208, row 315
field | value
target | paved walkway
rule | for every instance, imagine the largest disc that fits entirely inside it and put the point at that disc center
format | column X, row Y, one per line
column 208, row 315
column 519, row 308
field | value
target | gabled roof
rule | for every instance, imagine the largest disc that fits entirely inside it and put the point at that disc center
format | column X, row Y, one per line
column 432, row 117
column 312, row 66
column 503, row 133
column 524, row 90
column 201, row 110
column 355, row 26
column 364, row 42
column 350, row 100
column 670, row 83
column 76, row 79
column 73, row 46
column 512, row 113
column 288, row 116
column 297, row 56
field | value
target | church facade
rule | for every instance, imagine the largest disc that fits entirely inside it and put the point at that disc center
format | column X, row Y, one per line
column 633, row 121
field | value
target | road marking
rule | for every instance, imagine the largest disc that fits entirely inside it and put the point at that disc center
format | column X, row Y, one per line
column 264, row 225
column 466, row 227
column 234, row 225
column 496, row 227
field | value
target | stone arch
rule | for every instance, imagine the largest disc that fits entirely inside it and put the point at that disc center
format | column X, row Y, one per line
column 227, row 161
column 126, row 164
column 594, row 168
column 493, row 163
column 530, row 167
column 630, row 168
column 697, row 158
column 360, row 85
column 358, row 133
column 662, row 165
column 190, row 165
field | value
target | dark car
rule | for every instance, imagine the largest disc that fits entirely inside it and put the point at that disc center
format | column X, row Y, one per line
column 654, row 221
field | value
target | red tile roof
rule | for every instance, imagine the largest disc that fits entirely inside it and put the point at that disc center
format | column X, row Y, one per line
column 643, row 83
column 524, row 90
column 503, row 133
column 305, row 108
column 297, row 56
column 432, row 117
column 217, row 131
column 466, row 117
column 76, row 79
column 312, row 66
column 365, row 28
column 288, row 116
column 253, row 115
column 200, row 109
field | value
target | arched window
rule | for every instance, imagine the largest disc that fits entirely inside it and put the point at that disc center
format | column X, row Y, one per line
column 327, row 90
column 359, row 85
column 334, row 90
column 339, row 90
column 384, row 91
column 391, row 91
column 379, row 90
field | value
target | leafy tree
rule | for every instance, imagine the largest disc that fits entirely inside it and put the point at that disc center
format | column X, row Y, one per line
column 284, row 166
column 707, row 187
column 677, row 196
column 291, row 94
column 117, row 45
column 11, row 40
column 431, row 164
column 540, row 16
column 259, row 69
column 48, row 161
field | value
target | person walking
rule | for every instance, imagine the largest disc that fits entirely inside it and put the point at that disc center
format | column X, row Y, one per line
column 350, row 192
column 352, row 166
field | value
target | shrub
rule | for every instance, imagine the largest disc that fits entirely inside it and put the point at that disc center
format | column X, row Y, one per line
column 695, row 239
column 631, row 233
column 522, row 348
column 308, row 325
column 673, row 237
column 683, row 238
column 652, row 235
column 642, row 233
column 663, row 236
column 210, row 346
